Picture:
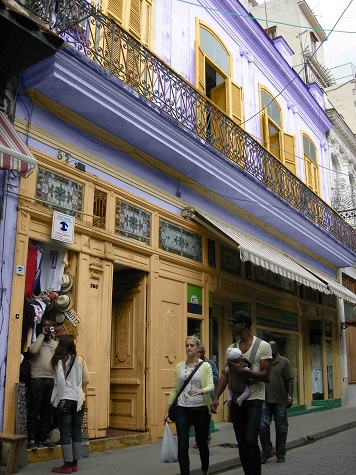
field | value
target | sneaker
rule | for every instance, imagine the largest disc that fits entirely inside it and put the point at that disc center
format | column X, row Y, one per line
column 265, row 457
column 74, row 468
column 32, row 445
column 48, row 443
column 281, row 460
column 62, row 469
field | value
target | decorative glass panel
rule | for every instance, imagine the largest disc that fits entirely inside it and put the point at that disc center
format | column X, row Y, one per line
column 273, row 110
column 133, row 222
column 99, row 209
column 59, row 193
column 230, row 260
column 180, row 241
column 212, row 48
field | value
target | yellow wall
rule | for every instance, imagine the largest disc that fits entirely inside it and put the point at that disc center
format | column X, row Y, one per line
column 149, row 350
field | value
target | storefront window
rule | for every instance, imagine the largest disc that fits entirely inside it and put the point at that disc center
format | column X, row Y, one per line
column 194, row 327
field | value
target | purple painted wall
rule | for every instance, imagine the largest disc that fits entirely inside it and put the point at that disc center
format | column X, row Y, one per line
column 7, row 252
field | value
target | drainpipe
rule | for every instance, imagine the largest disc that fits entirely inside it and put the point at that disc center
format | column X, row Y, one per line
column 343, row 349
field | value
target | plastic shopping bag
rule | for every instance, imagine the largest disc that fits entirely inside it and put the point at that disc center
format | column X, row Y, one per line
column 169, row 451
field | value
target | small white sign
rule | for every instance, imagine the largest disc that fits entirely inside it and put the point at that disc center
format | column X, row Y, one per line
column 63, row 227
column 20, row 270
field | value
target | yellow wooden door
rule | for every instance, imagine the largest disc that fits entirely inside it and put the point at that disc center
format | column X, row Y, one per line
column 128, row 353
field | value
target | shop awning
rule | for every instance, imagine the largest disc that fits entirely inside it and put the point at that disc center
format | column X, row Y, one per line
column 266, row 256
column 334, row 287
column 14, row 155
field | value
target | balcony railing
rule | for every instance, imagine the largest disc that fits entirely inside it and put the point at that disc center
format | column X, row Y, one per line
column 101, row 39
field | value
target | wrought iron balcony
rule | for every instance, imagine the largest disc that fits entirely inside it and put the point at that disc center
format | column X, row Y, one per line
column 85, row 28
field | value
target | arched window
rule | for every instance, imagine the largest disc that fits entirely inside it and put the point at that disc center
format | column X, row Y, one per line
column 213, row 73
column 311, row 164
column 275, row 140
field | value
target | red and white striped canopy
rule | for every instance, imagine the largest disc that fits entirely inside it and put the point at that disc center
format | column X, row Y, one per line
column 14, row 155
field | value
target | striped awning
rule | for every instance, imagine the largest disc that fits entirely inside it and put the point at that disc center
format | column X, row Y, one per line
column 14, row 155
column 268, row 257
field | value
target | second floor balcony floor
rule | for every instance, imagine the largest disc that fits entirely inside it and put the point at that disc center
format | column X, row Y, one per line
column 106, row 76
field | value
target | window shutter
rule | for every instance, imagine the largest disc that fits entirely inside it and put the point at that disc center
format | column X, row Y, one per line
column 289, row 153
column 264, row 120
column 135, row 18
column 218, row 96
column 236, row 102
column 275, row 144
column 115, row 10
column 200, row 68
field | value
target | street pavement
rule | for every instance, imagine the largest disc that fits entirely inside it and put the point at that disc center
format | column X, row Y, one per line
column 145, row 459
column 335, row 454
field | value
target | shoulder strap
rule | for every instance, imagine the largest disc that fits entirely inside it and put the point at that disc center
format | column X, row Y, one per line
column 70, row 366
column 189, row 378
column 254, row 350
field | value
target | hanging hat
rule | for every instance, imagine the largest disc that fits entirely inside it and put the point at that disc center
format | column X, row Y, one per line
column 64, row 302
column 66, row 283
column 59, row 318
column 51, row 298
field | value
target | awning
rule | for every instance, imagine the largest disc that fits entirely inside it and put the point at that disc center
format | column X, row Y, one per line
column 14, row 155
column 266, row 256
column 334, row 287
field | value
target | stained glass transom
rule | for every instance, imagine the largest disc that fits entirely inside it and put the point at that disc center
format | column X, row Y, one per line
column 180, row 241
column 59, row 193
column 133, row 222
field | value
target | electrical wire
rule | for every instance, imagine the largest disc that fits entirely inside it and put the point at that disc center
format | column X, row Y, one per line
column 304, row 67
column 251, row 17
column 111, row 146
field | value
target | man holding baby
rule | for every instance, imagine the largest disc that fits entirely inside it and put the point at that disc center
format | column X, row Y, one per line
column 246, row 414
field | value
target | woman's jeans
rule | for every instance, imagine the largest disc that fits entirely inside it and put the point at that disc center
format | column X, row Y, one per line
column 200, row 419
column 246, row 422
column 70, row 427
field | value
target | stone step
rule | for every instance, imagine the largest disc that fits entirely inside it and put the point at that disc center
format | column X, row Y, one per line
column 44, row 454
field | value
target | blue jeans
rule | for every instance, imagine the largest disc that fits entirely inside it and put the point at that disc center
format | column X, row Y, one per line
column 200, row 419
column 70, row 428
column 246, row 422
column 279, row 413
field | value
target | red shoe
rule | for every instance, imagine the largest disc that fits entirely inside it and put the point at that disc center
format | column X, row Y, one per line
column 62, row 469
column 74, row 468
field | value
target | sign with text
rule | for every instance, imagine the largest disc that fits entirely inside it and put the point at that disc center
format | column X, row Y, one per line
column 63, row 227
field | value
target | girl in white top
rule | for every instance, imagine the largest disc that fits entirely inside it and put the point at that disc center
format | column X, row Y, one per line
column 70, row 377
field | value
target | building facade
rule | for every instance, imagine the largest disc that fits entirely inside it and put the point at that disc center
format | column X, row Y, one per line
column 191, row 156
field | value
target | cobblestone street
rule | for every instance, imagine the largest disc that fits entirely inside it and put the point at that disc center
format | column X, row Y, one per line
column 334, row 455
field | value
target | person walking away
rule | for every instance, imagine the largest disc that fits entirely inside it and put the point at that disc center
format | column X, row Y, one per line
column 201, row 354
column 70, row 378
column 246, row 418
column 39, row 417
column 193, row 405
column 279, row 397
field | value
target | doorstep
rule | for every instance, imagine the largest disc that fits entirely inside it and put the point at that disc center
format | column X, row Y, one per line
column 112, row 442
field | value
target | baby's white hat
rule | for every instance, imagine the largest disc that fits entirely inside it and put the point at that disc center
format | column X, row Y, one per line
column 233, row 354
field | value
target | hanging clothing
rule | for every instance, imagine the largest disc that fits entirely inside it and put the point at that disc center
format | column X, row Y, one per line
column 52, row 267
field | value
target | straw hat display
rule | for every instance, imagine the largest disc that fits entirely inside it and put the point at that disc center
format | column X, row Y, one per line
column 64, row 302
column 66, row 283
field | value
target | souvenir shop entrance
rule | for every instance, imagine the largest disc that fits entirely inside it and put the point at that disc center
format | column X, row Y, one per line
column 128, row 351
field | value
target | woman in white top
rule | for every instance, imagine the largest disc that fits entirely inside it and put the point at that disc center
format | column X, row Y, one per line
column 70, row 377
column 193, row 407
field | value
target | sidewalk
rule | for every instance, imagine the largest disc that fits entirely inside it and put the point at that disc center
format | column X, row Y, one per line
column 145, row 459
